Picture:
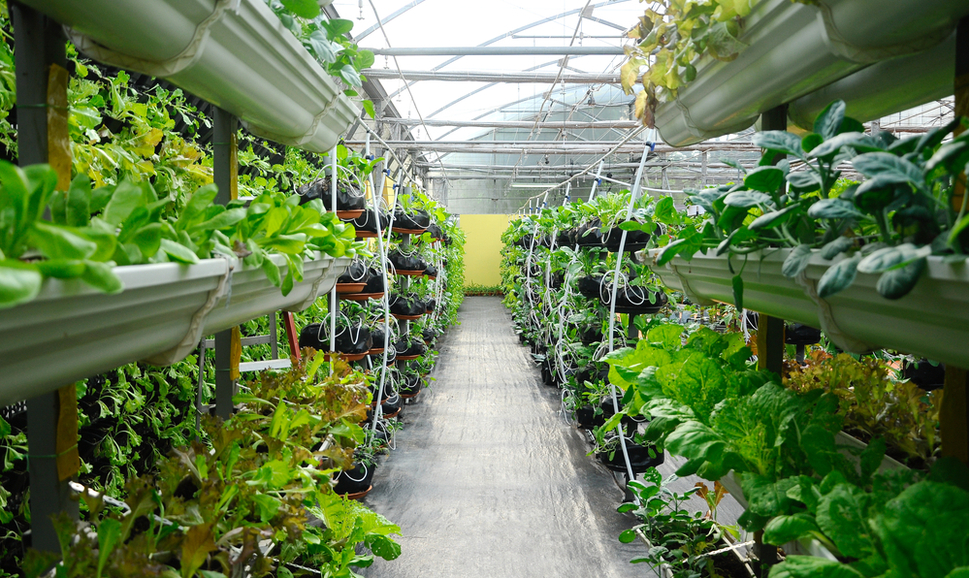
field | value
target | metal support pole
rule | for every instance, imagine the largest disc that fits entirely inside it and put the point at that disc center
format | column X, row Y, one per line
column 39, row 45
column 223, row 173
column 770, row 342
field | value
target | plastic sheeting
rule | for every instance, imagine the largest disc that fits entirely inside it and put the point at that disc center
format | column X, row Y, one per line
column 487, row 481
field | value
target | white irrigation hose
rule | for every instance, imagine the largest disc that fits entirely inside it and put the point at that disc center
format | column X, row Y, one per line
column 384, row 300
column 616, row 280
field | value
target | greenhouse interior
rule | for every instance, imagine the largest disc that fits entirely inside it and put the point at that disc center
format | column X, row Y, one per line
column 409, row 288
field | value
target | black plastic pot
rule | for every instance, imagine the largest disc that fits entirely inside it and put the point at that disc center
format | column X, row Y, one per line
column 375, row 282
column 799, row 334
column 406, row 263
column 355, row 273
column 435, row 231
column 431, row 271
column 355, row 480
column 635, row 240
column 588, row 234
column 430, row 305
column 349, row 197
column 406, row 222
column 636, row 300
column 590, row 286
column 366, row 224
column 404, row 307
column 428, row 335
column 410, row 385
column 640, row 459
column 586, row 417
column 351, row 341
column 925, row 375
column 405, row 348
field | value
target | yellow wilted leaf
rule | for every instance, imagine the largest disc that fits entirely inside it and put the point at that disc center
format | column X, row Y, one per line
column 628, row 75
column 640, row 105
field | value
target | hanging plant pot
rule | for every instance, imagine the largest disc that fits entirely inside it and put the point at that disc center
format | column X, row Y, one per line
column 590, row 286
column 377, row 339
column 640, row 458
column 355, row 482
column 635, row 240
column 431, row 272
column 409, row 385
column 428, row 335
column 589, row 234
column 408, row 349
column 377, row 359
column 411, row 222
column 435, row 231
column 430, row 305
column 367, row 226
column 353, row 279
column 635, row 300
column 350, row 200
column 406, row 308
column 392, row 408
column 926, row 375
column 586, row 417
column 410, row 265
column 373, row 288
column 352, row 342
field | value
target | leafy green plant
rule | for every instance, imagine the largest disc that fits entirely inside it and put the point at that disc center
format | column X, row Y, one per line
column 679, row 539
column 888, row 225
column 875, row 405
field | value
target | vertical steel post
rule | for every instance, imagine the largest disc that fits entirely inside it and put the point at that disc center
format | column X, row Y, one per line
column 771, row 343
column 223, row 173
column 40, row 44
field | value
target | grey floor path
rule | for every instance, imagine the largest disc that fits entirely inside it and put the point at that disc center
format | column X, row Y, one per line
column 487, row 481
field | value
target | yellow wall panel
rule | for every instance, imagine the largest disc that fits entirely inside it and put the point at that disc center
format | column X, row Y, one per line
column 483, row 243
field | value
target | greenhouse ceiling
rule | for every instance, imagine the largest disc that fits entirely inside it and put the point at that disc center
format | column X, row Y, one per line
column 498, row 103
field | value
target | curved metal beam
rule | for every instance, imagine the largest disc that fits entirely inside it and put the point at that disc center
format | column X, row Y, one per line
column 392, row 16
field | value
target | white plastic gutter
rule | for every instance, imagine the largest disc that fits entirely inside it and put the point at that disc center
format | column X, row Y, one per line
column 795, row 49
column 885, row 88
column 235, row 54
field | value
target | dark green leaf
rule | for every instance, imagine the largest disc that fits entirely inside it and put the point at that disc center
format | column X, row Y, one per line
column 838, row 277
column 897, row 283
column 952, row 155
column 857, row 141
column 876, row 193
column 797, row 260
column 804, row 181
column 746, row 199
column 785, row 529
column 811, row 140
column 733, row 164
column 842, row 517
column 833, row 248
column 828, row 121
column 78, row 208
column 891, row 258
column 61, row 268
column 834, row 209
column 779, row 141
column 765, row 179
column 923, row 530
column 811, row 567
column 889, row 167
column 737, row 287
